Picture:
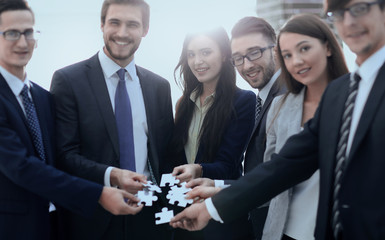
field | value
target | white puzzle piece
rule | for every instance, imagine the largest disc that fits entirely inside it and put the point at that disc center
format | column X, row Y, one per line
column 146, row 197
column 178, row 195
column 152, row 187
column 168, row 178
column 164, row 216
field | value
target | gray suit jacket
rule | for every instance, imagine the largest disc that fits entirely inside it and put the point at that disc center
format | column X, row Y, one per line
column 284, row 120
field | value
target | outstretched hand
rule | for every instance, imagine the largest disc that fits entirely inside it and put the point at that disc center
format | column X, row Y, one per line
column 187, row 172
column 201, row 192
column 127, row 180
column 193, row 218
column 119, row 202
column 200, row 182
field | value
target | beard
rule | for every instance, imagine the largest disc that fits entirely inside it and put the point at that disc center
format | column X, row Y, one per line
column 121, row 57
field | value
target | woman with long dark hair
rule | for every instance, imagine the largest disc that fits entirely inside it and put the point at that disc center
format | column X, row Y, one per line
column 214, row 119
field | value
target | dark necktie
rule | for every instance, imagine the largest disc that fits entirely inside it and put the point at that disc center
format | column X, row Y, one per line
column 341, row 152
column 258, row 108
column 33, row 123
column 123, row 116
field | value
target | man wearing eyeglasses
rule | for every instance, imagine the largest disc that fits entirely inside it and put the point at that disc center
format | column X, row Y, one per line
column 344, row 140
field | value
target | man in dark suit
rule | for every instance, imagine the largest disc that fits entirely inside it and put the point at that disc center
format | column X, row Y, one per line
column 344, row 141
column 92, row 141
column 28, row 179
column 260, row 69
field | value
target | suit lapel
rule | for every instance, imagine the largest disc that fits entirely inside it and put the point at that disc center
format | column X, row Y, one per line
column 99, row 87
column 371, row 107
column 274, row 91
column 148, row 92
column 6, row 91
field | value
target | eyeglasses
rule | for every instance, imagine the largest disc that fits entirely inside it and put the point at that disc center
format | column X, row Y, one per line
column 355, row 10
column 14, row 35
column 251, row 56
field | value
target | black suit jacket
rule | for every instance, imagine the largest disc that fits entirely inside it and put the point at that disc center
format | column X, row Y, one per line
column 362, row 195
column 255, row 152
column 87, row 132
column 26, row 182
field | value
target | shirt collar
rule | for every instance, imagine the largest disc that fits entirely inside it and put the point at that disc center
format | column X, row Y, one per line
column 15, row 83
column 369, row 69
column 196, row 100
column 264, row 92
column 110, row 68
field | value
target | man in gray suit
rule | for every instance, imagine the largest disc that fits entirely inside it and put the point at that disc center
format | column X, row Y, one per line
column 113, row 119
column 252, row 45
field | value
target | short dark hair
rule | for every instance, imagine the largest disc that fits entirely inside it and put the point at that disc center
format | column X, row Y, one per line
column 14, row 5
column 140, row 3
column 311, row 25
column 332, row 5
column 249, row 25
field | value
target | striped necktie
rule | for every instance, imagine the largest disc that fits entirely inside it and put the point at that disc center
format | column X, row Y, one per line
column 341, row 153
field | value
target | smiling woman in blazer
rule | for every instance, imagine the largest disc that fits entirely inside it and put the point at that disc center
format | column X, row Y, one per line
column 214, row 119
column 310, row 58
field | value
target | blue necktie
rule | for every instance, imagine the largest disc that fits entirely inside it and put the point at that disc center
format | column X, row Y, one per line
column 33, row 123
column 123, row 116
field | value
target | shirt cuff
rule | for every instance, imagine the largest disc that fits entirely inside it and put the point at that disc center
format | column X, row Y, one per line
column 212, row 210
column 220, row 184
column 107, row 176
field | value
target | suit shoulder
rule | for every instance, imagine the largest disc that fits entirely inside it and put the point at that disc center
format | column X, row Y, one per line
column 147, row 74
column 79, row 67
column 244, row 98
column 241, row 94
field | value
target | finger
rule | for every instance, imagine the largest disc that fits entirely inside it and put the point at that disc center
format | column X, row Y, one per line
column 130, row 196
column 178, row 217
column 140, row 178
column 177, row 170
column 135, row 208
column 194, row 182
column 194, row 193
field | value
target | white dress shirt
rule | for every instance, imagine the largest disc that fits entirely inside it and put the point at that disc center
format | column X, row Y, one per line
column 139, row 117
column 368, row 72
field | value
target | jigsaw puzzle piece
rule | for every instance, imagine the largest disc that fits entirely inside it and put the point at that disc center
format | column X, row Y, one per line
column 168, row 178
column 146, row 197
column 152, row 187
column 178, row 194
column 164, row 216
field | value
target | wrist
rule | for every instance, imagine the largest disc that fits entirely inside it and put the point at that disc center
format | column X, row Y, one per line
column 199, row 172
column 114, row 177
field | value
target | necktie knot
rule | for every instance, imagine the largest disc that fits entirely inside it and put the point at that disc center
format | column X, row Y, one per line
column 357, row 77
column 24, row 92
column 121, row 73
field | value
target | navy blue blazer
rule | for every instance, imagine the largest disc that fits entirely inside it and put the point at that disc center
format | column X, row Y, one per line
column 361, row 194
column 227, row 163
column 26, row 182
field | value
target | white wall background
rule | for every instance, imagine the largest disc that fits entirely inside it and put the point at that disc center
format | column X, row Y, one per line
column 71, row 33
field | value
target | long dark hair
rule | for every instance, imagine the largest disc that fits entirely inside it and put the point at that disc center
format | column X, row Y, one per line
column 312, row 26
column 219, row 113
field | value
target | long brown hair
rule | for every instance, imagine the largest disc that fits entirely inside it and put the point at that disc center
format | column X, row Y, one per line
column 219, row 113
